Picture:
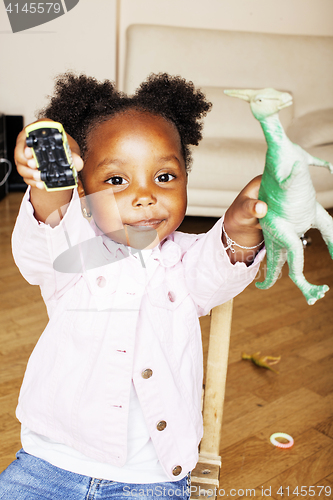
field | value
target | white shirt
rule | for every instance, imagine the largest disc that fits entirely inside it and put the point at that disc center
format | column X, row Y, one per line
column 142, row 464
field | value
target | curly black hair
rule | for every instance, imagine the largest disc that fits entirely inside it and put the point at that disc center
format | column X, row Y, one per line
column 82, row 102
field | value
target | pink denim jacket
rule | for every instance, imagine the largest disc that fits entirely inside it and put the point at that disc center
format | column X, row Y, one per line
column 118, row 321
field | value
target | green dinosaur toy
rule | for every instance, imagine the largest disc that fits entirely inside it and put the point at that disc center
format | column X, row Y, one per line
column 287, row 189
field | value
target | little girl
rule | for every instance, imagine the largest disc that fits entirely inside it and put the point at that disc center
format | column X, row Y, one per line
column 110, row 402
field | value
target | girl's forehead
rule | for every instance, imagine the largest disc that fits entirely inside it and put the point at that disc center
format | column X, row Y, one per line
column 133, row 136
column 132, row 119
column 137, row 122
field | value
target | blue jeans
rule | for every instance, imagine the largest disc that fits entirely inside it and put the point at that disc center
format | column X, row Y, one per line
column 31, row 478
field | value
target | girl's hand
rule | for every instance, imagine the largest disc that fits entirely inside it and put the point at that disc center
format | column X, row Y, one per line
column 241, row 223
column 26, row 164
column 46, row 203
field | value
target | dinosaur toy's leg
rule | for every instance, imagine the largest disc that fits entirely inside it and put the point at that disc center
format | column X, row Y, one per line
column 296, row 262
column 324, row 222
column 276, row 257
column 287, row 239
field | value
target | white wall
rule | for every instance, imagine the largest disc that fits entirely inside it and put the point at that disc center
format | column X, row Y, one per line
column 303, row 17
column 83, row 40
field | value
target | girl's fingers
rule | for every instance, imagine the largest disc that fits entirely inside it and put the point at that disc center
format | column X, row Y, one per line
column 253, row 208
column 19, row 153
column 78, row 162
column 29, row 173
column 36, row 184
column 31, row 176
column 260, row 209
column 28, row 153
column 252, row 188
column 25, row 163
column 247, row 210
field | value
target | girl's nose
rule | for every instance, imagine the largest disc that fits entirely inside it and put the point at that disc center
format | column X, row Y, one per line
column 143, row 198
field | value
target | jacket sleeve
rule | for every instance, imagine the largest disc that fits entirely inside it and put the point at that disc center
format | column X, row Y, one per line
column 211, row 278
column 36, row 245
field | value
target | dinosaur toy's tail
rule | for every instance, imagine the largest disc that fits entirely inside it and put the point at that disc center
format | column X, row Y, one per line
column 276, row 257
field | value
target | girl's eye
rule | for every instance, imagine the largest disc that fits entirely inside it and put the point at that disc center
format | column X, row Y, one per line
column 116, row 180
column 165, row 177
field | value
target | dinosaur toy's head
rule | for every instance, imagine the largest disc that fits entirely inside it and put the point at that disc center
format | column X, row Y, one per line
column 264, row 102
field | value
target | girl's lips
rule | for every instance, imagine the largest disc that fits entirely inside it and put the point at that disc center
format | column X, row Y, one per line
column 145, row 225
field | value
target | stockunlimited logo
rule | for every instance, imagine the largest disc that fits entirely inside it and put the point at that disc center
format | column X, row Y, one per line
column 24, row 15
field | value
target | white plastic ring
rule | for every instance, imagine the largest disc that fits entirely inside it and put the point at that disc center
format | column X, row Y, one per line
column 284, row 436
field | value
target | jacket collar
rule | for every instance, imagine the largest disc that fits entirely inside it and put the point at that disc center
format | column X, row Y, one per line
column 168, row 253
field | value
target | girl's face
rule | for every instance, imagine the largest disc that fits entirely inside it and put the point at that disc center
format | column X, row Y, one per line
column 134, row 177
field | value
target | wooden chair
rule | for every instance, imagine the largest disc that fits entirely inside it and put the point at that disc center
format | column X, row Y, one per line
column 205, row 476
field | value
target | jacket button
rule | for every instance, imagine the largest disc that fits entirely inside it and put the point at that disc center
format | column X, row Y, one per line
column 171, row 296
column 177, row 470
column 147, row 373
column 101, row 281
column 161, row 425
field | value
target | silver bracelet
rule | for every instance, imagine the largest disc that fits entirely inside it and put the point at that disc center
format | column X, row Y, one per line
column 231, row 243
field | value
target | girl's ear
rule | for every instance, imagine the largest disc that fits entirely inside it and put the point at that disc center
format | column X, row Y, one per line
column 84, row 202
column 80, row 188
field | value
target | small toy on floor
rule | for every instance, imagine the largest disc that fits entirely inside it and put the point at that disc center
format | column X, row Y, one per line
column 262, row 361
column 281, row 435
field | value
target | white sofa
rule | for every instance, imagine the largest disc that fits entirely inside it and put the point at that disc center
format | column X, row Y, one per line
column 233, row 149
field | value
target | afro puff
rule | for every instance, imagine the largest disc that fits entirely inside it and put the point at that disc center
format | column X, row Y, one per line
column 81, row 102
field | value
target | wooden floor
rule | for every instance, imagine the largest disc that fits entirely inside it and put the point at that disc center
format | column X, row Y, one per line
column 297, row 401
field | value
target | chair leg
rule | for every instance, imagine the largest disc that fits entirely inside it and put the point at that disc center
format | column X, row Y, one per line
column 205, row 476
